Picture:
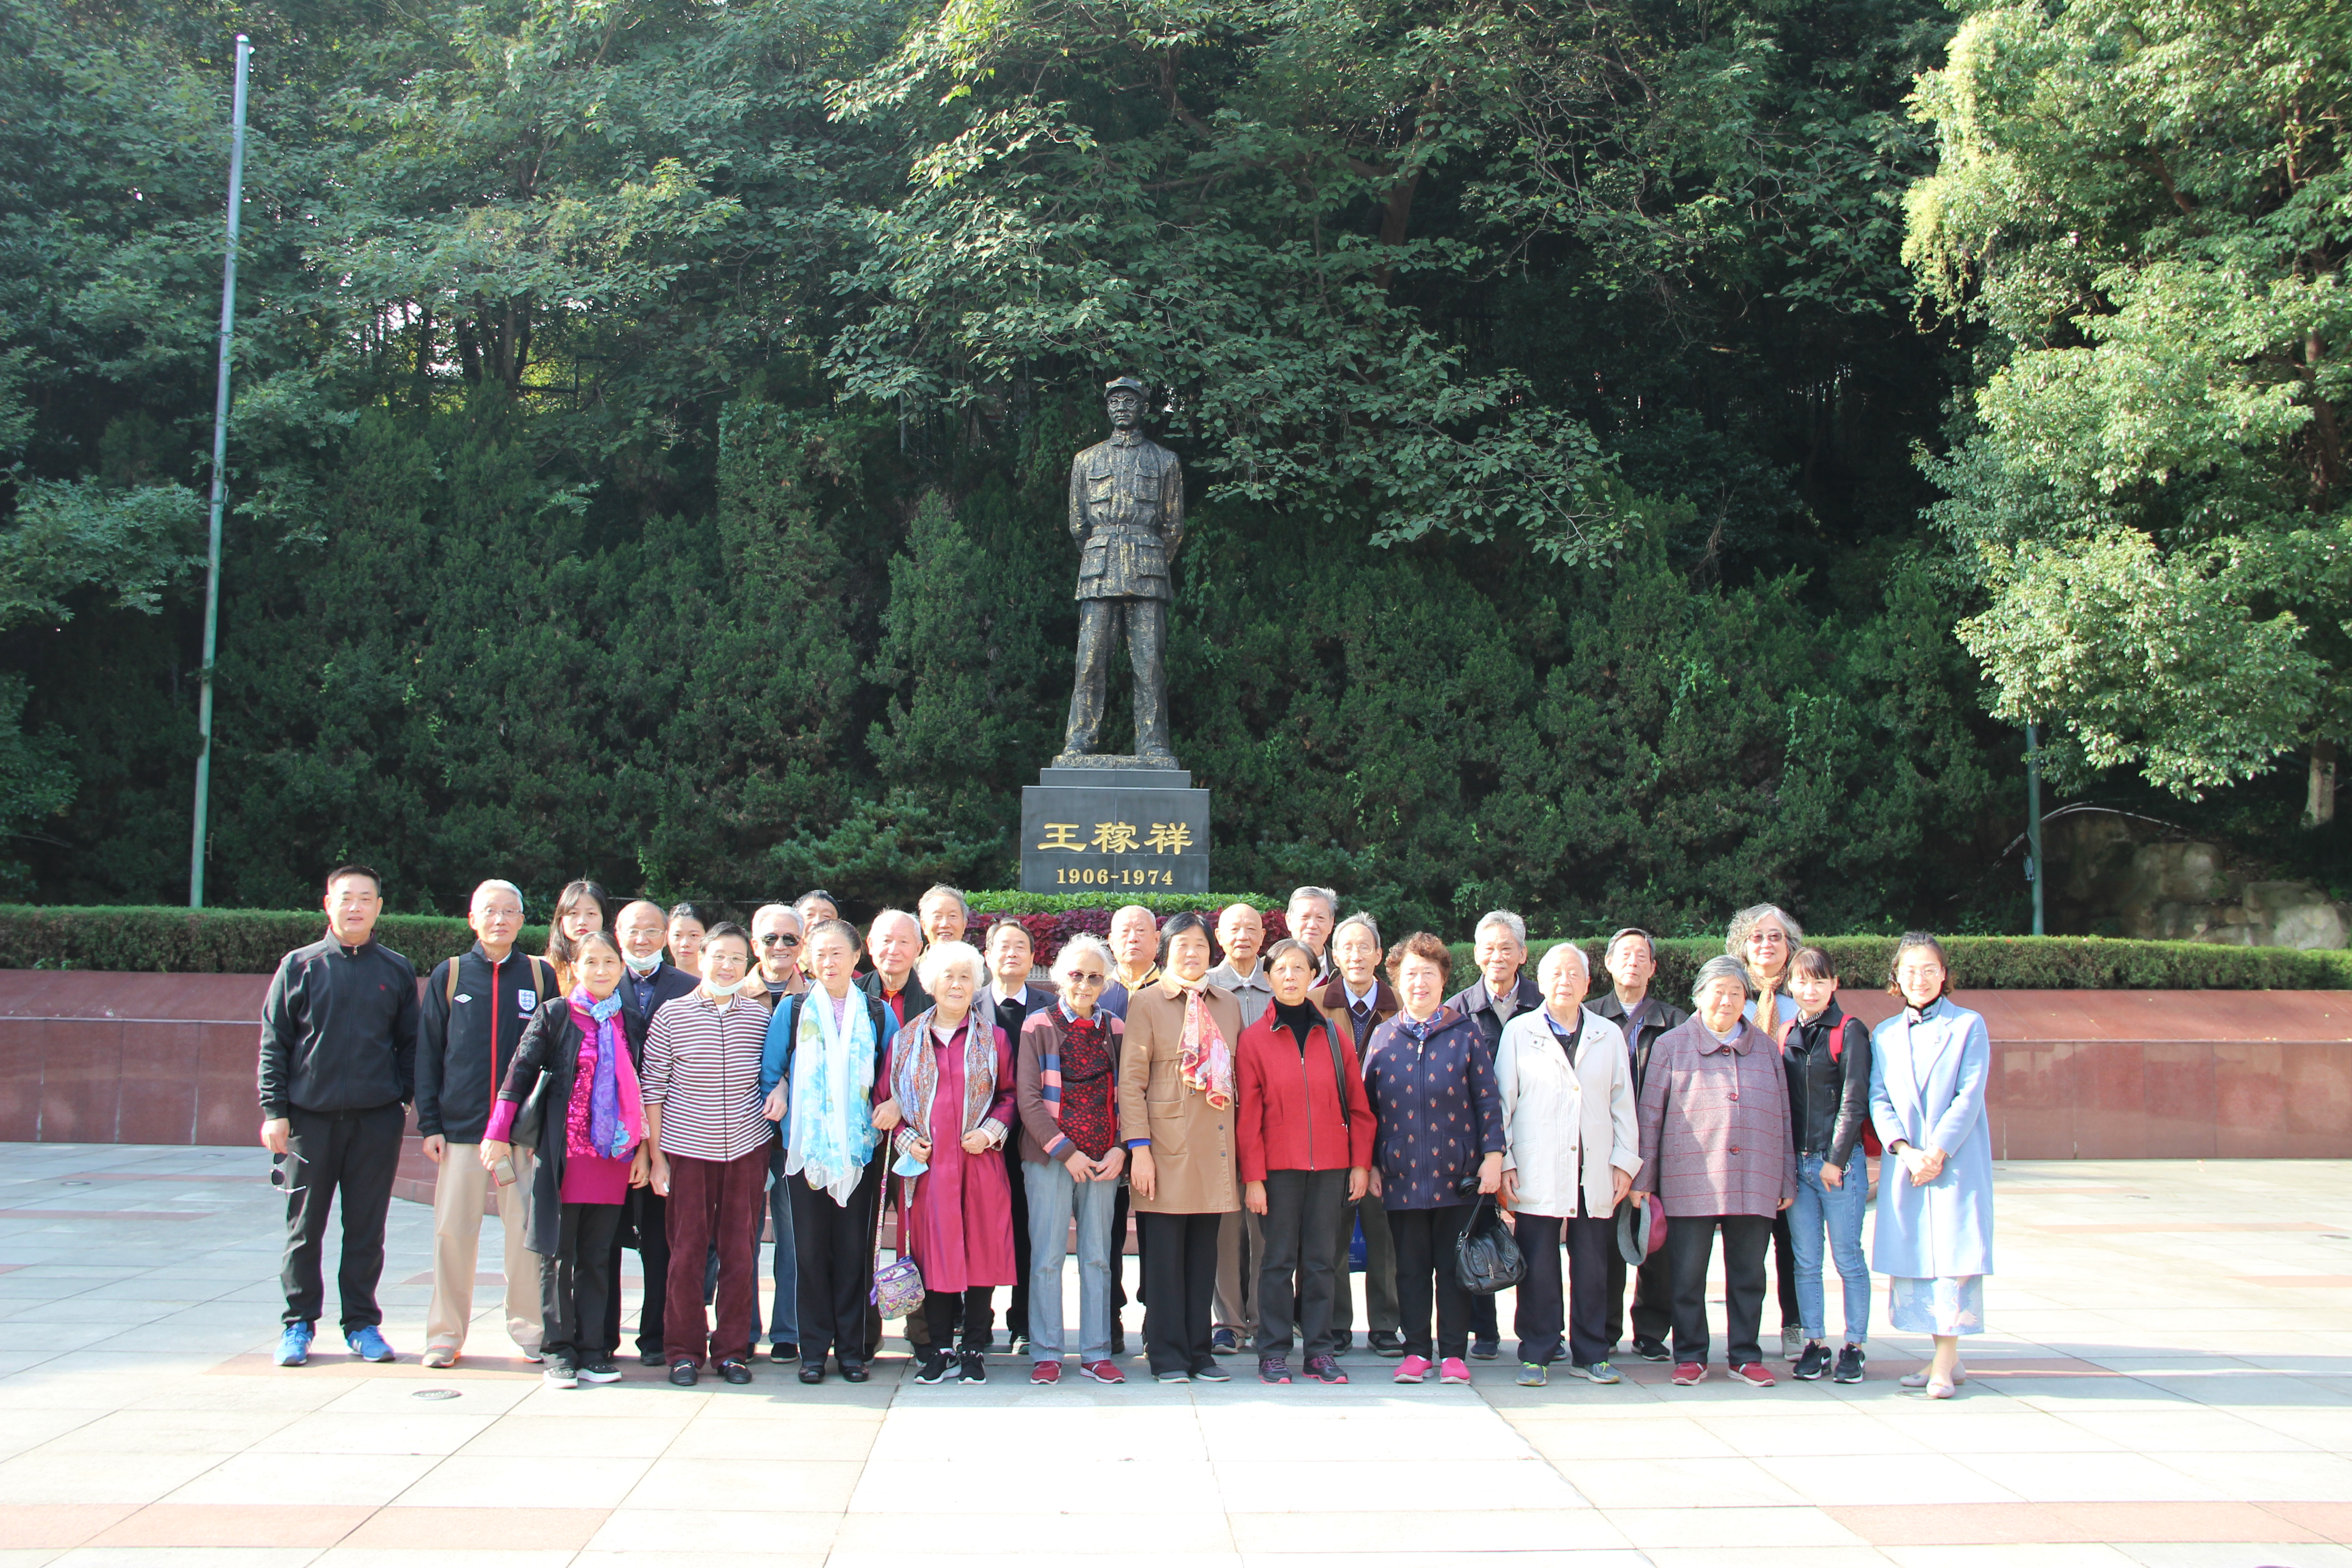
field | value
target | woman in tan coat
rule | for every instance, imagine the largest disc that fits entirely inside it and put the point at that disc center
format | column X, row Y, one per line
column 1176, row 1117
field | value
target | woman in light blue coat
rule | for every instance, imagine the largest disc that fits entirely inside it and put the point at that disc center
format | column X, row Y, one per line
column 1929, row 1067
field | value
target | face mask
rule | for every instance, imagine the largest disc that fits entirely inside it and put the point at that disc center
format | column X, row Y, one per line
column 642, row 966
column 716, row 989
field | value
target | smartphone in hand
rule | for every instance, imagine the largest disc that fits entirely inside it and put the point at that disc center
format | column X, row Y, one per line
column 504, row 1169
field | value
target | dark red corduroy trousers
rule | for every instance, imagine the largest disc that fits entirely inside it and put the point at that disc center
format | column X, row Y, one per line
column 712, row 1200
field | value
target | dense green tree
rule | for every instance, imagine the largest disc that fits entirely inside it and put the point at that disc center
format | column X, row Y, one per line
column 2145, row 203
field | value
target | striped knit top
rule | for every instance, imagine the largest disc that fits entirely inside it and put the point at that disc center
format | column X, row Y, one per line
column 702, row 1068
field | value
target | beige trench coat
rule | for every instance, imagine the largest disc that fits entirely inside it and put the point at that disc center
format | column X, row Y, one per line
column 1193, row 1145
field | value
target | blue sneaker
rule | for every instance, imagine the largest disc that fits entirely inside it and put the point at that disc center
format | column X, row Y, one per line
column 368, row 1344
column 294, row 1344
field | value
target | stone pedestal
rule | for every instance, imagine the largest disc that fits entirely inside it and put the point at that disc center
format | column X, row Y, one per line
column 1114, row 826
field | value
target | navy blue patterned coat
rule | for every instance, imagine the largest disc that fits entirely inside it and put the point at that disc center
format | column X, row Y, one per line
column 1432, row 1093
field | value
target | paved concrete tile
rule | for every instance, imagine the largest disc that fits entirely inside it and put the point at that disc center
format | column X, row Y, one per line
column 280, row 1524
column 485, row 1481
column 267, row 1477
column 1844, row 1480
column 2078, row 1554
column 1484, row 1487
column 2235, row 1554
column 702, row 1560
column 54, row 1527
column 1766, row 1557
column 168, row 1432
column 750, row 1485
column 2081, row 1478
column 1652, row 1529
column 1656, row 1438
column 41, row 1478
column 1662, row 1483
column 1370, row 1532
column 2265, row 1478
column 189, row 1557
column 441, row 1557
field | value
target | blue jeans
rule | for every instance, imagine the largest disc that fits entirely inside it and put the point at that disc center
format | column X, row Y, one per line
column 1838, row 1210
column 784, row 1317
column 1053, row 1196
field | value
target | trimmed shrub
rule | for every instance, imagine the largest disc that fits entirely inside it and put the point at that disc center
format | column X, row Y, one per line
column 250, row 941
column 168, row 940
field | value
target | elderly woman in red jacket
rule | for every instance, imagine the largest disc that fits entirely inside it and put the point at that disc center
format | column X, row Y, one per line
column 1306, row 1130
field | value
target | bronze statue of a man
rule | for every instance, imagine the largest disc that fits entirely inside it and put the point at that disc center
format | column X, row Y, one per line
column 1127, row 512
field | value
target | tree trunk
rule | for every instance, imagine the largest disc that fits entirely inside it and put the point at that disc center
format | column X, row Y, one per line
column 2320, row 804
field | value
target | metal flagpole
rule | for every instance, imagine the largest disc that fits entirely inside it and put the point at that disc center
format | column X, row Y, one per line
column 2033, row 820
column 220, row 483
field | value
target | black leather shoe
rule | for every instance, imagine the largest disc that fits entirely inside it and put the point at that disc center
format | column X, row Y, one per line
column 784, row 1351
column 649, row 1358
column 811, row 1372
column 1386, row 1343
column 1652, row 1350
column 855, row 1371
column 683, row 1374
column 1485, row 1350
column 735, row 1371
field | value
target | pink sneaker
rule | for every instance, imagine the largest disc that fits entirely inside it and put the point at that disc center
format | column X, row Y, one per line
column 1413, row 1368
column 1045, row 1372
column 1103, row 1372
column 1453, row 1370
column 1754, row 1373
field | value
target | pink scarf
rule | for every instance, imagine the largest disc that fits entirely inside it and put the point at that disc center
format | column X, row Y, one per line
column 1207, row 1064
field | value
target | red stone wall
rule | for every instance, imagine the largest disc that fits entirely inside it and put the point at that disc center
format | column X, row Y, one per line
column 169, row 1058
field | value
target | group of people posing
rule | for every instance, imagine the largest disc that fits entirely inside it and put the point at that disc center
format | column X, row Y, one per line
column 1267, row 1113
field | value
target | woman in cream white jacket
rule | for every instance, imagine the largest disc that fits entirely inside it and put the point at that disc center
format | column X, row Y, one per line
column 1567, row 1087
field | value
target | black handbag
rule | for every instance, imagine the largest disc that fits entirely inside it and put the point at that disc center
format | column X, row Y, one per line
column 533, row 1115
column 1488, row 1258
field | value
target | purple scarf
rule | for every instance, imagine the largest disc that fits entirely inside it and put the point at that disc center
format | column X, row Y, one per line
column 617, row 1117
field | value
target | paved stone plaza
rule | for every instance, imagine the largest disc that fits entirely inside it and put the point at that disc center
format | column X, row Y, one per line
column 2167, row 1384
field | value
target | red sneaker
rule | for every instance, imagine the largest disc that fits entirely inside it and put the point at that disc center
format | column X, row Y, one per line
column 1102, row 1372
column 1045, row 1372
column 1689, row 1372
column 1754, row 1373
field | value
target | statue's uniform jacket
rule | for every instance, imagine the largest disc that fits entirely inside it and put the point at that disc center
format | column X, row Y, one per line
column 1127, row 512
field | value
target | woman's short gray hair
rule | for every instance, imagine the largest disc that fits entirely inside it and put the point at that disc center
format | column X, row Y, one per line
column 1561, row 953
column 1084, row 943
column 1724, row 968
column 1735, row 940
column 943, row 956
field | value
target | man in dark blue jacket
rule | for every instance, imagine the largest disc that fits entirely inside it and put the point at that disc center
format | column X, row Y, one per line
column 338, row 1066
column 475, row 1007
column 647, row 980
column 1500, row 994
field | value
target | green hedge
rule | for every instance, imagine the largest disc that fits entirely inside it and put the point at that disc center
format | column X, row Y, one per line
column 250, row 941
column 2017, row 963
column 207, row 942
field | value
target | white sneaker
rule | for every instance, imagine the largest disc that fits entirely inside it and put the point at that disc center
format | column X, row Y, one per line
column 1792, row 1342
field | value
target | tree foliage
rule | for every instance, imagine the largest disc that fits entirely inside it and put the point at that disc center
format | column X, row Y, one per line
column 653, row 419
column 2147, row 205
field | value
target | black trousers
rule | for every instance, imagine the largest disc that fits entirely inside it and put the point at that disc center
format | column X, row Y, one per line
column 346, row 1157
column 1784, row 1271
column 575, row 1284
column 1690, row 1243
column 1654, row 1298
column 1119, row 1211
column 942, row 1310
column 1298, row 1272
column 645, row 1220
column 1179, row 1287
column 1425, row 1240
column 833, row 1246
column 1581, row 1307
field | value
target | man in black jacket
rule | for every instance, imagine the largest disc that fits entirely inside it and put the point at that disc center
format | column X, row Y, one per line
column 647, row 980
column 1500, row 994
column 475, row 1007
column 1633, row 960
column 338, row 1065
column 894, row 942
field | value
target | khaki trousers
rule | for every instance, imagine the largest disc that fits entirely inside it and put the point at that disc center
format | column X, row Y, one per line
column 458, row 1189
column 1239, row 1251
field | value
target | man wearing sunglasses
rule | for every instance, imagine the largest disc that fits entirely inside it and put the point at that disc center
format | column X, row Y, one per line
column 776, row 934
